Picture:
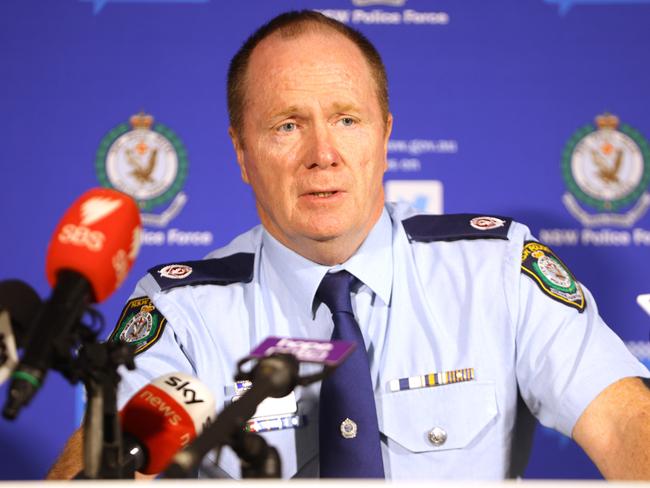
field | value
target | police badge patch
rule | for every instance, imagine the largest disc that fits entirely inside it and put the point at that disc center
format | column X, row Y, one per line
column 140, row 324
column 552, row 275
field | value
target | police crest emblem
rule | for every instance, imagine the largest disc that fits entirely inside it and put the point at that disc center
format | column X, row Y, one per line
column 607, row 172
column 140, row 324
column 551, row 275
column 148, row 162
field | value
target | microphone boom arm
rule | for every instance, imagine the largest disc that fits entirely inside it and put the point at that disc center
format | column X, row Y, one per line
column 273, row 376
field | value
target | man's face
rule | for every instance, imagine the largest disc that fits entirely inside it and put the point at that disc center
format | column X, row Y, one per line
column 313, row 142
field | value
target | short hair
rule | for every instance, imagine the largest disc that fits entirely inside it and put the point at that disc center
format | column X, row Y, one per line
column 292, row 24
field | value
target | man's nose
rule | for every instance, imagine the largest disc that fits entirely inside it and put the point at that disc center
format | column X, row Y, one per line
column 321, row 151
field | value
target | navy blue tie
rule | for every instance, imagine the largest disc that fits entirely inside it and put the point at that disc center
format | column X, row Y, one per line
column 348, row 432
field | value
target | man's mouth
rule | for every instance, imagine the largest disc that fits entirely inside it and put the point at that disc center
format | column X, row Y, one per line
column 323, row 194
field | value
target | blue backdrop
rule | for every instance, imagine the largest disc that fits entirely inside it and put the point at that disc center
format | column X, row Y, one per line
column 495, row 106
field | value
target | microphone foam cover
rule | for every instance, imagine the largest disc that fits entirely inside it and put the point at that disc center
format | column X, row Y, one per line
column 166, row 415
column 98, row 237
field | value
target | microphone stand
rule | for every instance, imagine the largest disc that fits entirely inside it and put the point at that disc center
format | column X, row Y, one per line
column 95, row 363
column 103, row 453
column 78, row 355
column 258, row 458
column 273, row 376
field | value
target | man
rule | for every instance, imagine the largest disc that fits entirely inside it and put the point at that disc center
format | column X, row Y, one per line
column 459, row 315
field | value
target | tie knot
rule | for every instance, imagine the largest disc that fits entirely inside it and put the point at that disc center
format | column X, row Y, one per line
column 334, row 291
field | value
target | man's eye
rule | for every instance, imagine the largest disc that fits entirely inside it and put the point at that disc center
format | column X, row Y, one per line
column 347, row 121
column 287, row 127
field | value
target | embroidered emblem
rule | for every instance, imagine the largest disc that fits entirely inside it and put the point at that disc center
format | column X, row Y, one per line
column 175, row 271
column 140, row 324
column 486, row 223
column 431, row 379
column 551, row 275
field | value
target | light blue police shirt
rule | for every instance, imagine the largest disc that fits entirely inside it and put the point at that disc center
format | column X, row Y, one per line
column 424, row 307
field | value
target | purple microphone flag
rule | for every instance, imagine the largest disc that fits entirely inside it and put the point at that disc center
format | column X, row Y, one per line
column 330, row 353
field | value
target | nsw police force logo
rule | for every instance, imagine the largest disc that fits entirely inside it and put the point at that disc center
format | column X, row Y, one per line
column 140, row 324
column 551, row 275
column 607, row 172
column 147, row 162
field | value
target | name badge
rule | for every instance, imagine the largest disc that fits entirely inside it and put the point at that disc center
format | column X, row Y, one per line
column 273, row 423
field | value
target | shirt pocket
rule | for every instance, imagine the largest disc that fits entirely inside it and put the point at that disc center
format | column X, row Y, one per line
column 437, row 418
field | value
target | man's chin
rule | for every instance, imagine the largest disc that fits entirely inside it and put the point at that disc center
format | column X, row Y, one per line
column 323, row 235
column 325, row 238
column 333, row 229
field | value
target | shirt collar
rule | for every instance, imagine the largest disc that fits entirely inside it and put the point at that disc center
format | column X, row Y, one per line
column 372, row 264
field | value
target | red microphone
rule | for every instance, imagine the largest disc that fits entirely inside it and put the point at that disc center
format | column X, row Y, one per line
column 162, row 418
column 90, row 254
column 98, row 237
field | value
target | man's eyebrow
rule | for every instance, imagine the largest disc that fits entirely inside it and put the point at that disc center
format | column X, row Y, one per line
column 345, row 107
column 286, row 112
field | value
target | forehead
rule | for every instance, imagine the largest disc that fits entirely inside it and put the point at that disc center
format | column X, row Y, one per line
column 319, row 59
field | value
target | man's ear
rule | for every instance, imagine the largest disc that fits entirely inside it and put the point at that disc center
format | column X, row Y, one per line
column 389, row 129
column 239, row 151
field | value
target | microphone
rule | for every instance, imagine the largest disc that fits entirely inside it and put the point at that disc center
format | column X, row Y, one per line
column 22, row 303
column 19, row 304
column 275, row 375
column 89, row 256
column 161, row 419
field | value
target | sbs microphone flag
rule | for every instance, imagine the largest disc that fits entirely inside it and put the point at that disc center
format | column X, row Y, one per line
column 90, row 253
column 99, row 238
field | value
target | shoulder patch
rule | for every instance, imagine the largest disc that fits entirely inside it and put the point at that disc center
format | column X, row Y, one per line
column 236, row 268
column 455, row 227
column 551, row 275
column 140, row 324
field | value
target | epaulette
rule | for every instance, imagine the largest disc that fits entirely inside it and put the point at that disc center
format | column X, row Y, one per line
column 236, row 268
column 455, row 227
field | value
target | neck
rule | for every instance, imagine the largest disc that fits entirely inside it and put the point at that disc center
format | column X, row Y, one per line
column 330, row 252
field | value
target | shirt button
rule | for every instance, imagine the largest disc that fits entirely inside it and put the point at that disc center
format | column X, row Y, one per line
column 437, row 436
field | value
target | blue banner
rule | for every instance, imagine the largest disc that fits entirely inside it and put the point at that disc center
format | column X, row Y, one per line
column 535, row 109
